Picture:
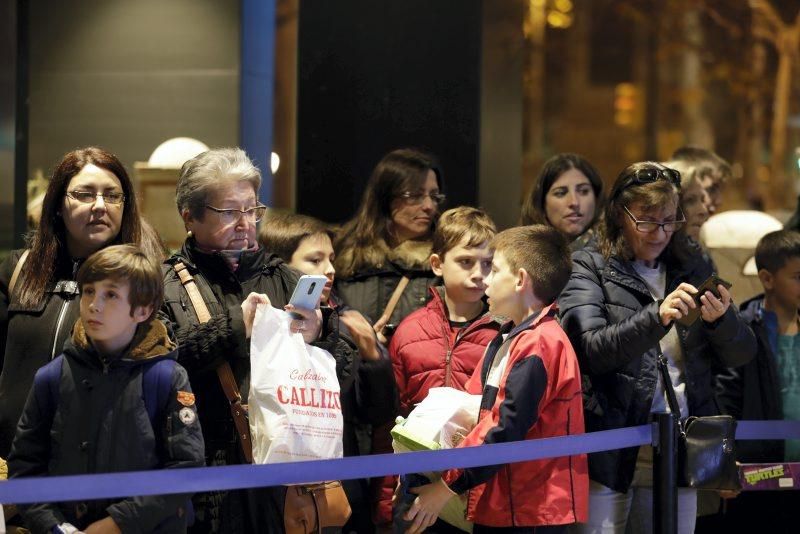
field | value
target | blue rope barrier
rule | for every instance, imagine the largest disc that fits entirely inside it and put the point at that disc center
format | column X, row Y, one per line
column 749, row 430
column 193, row 480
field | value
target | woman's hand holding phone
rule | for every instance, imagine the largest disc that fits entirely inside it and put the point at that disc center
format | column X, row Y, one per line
column 677, row 304
column 712, row 307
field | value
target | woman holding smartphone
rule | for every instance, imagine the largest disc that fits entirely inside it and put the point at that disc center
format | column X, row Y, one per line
column 622, row 308
column 222, row 264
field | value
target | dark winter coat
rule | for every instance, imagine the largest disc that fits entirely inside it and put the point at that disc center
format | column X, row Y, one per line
column 615, row 327
column 31, row 337
column 101, row 425
column 205, row 346
column 753, row 391
column 368, row 288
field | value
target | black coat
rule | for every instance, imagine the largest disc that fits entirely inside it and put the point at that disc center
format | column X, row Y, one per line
column 205, row 346
column 100, row 425
column 31, row 337
column 614, row 325
column 753, row 391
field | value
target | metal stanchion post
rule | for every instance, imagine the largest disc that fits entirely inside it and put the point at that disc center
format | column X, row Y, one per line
column 665, row 475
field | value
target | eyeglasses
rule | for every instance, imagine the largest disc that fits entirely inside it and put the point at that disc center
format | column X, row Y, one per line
column 228, row 216
column 418, row 198
column 648, row 176
column 648, row 227
column 90, row 197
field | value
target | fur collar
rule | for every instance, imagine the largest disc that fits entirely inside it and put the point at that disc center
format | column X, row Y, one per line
column 150, row 341
column 409, row 255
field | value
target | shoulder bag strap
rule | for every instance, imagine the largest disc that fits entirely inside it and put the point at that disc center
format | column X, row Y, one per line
column 224, row 371
column 392, row 304
column 672, row 400
column 16, row 272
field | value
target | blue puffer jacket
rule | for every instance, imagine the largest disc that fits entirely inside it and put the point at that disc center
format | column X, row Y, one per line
column 614, row 325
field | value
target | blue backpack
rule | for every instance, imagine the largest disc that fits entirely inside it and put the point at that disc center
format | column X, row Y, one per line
column 156, row 382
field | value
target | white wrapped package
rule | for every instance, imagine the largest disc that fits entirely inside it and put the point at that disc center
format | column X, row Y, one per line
column 445, row 416
column 294, row 406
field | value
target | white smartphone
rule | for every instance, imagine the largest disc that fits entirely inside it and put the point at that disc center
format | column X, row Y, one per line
column 308, row 291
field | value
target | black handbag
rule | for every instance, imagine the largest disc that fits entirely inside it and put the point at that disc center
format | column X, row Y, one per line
column 706, row 445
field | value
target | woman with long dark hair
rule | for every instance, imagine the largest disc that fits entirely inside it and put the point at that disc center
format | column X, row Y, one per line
column 89, row 204
column 389, row 239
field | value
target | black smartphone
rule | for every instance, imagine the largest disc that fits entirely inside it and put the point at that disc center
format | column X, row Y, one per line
column 710, row 284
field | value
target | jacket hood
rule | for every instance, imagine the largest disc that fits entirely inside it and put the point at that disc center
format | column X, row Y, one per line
column 749, row 308
column 408, row 256
column 151, row 340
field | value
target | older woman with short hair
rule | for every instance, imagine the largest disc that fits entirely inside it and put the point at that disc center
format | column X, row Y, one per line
column 620, row 309
column 217, row 197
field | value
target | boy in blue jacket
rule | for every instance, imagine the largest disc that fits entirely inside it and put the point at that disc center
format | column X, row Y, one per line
column 768, row 387
column 115, row 400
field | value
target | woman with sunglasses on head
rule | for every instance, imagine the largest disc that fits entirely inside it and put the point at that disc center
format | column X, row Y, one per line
column 620, row 309
column 89, row 204
column 567, row 195
column 222, row 264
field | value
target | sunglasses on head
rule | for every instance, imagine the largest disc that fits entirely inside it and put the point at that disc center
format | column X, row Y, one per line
column 648, row 176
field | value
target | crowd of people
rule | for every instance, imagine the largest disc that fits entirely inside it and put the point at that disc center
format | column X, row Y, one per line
column 118, row 356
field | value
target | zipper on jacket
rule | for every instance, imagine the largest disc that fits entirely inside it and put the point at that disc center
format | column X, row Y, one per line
column 60, row 320
column 448, row 366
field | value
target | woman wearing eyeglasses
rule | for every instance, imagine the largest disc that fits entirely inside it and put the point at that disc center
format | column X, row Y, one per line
column 620, row 309
column 567, row 195
column 383, row 255
column 222, row 264
column 89, row 204
column 390, row 238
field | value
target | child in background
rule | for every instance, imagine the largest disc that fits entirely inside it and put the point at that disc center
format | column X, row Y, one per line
column 531, row 388
column 85, row 413
column 768, row 387
column 368, row 392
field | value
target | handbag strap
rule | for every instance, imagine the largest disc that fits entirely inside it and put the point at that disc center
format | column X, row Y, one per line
column 392, row 304
column 224, row 371
column 672, row 399
column 17, row 270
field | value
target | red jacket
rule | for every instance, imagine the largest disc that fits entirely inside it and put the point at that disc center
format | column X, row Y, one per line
column 425, row 356
column 531, row 389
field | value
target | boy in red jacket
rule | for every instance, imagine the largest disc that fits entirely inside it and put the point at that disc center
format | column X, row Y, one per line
column 442, row 343
column 531, row 388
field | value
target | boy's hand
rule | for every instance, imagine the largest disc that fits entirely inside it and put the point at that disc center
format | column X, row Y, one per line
column 308, row 322
column 712, row 307
column 677, row 304
column 249, row 310
column 104, row 526
column 362, row 333
column 426, row 507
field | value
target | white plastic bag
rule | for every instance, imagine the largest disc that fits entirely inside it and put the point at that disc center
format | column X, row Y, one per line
column 294, row 406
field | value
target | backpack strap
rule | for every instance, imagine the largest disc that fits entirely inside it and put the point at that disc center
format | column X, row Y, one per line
column 156, row 386
column 17, row 269
column 47, row 387
column 224, row 371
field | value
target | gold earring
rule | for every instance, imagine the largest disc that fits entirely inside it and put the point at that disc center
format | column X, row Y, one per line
column 189, row 233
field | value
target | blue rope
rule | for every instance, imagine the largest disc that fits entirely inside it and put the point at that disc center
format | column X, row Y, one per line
column 193, row 480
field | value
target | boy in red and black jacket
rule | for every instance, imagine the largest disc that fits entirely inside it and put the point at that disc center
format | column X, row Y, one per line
column 531, row 387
